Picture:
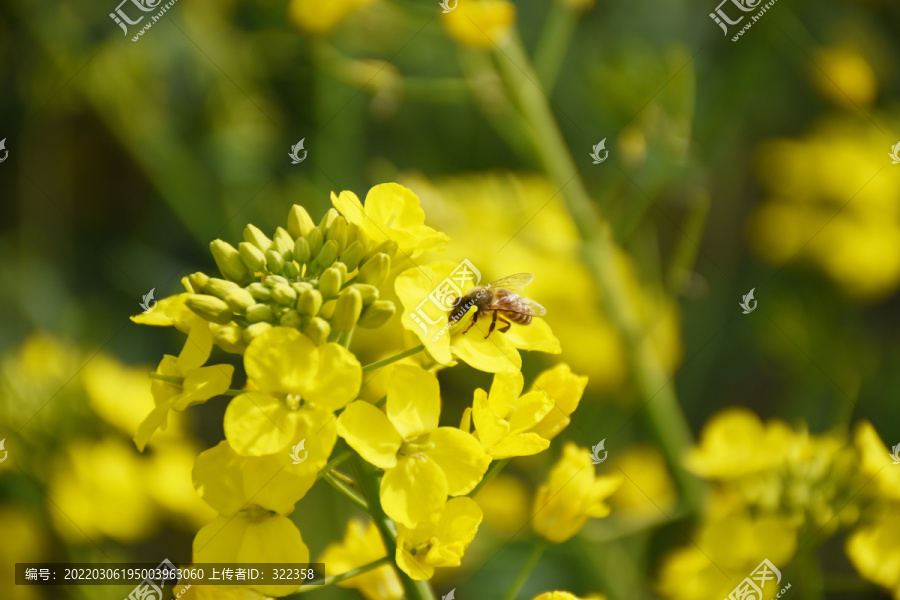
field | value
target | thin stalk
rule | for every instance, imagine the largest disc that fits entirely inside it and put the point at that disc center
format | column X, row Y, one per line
column 536, row 553
column 347, row 491
column 555, row 39
column 334, row 462
column 337, row 578
column 392, row 359
column 179, row 381
column 496, row 467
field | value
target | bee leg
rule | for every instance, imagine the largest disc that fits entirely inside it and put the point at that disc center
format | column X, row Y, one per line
column 505, row 329
column 493, row 324
column 472, row 322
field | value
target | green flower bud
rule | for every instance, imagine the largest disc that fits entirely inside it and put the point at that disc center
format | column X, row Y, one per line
column 271, row 280
column 301, row 286
column 343, row 269
column 239, row 300
column 328, row 218
column 219, row 287
column 252, row 256
column 259, row 313
column 198, row 281
column 254, row 330
column 209, row 308
column 301, row 250
column 330, row 282
column 228, row 260
column 274, row 261
column 282, row 234
column 347, row 310
column 389, row 247
column 317, row 330
column 376, row 314
column 291, row 270
column 338, row 233
column 229, row 338
column 353, row 254
column 355, row 233
column 299, row 222
column 369, row 293
column 290, row 319
column 309, row 302
column 253, row 235
column 327, row 255
column 260, row 291
column 315, row 240
column 375, row 270
column 284, row 294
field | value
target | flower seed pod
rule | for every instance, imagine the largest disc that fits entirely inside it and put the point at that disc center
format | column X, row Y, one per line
column 317, row 330
column 327, row 255
column 330, row 282
column 291, row 270
column 219, row 287
column 337, row 232
column 252, row 256
column 299, row 222
column 353, row 254
column 376, row 314
column 259, row 313
column 274, row 261
column 228, row 260
column 369, row 293
column 253, row 235
column 375, row 270
column 347, row 310
column 315, row 240
column 290, row 319
column 309, row 303
column 198, row 281
column 260, row 291
column 210, row 308
column 284, row 294
column 239, row 300
column 301, row 250
column 254, row 330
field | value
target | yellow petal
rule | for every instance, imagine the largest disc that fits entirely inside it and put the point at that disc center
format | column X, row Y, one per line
column 535, row 337
column 413, row 400
column 413, row 491
column 157, row 419
column 169, row 311
column 417, row 570
column 394, row 212
column 565, row 390
column 483, row 25
column 505, row 389
column 491, row 428
column 519, row 444
column 528, row 410
column 494, row 355
column 457, row 527
column 368, row 431
column 460, row 457
column 196, row 348
column 281, row 359
column 202, row 384
column 337, row 380
column 422, row 316
column 257, row 424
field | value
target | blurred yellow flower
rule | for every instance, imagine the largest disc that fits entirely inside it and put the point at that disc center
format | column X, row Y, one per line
column 567, row 596
column 648, row 487
column 481, row 24
column 876, row 462
column 167, row 479
column 25, row 541
column 505, row 502
column 844, row 76
column 362, row 544
column 301, row 385
column 422, row 462
column 315, row 17
column 873, row 551
column 573, row 493
column 440, row 542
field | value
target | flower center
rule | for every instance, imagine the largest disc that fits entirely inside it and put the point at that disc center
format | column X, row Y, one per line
column 416, row 445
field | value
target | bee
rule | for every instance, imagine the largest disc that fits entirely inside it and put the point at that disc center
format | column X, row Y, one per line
column 501, row 299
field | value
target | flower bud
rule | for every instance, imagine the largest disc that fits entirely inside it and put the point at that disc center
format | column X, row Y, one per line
column 301, row 286
column 219, row 287
column 375, row 270
column 376, row 314
column 254, row 330
column 338, row 233
column 330, row 282
column 299, row 222
column 239, row 300
column 253, row 235
column 252, row 256
column 290, row 319
column 369, row 293
column 301, row 250
column 317, row 330
column 198, row 281
column 210, row 308
column 315, row 240
column 186, row 282
column 284, row 294
column 260, row 313
column 228, row 260
column 328, row 218
column 354, row 233
column 309, row 302
column 282, row 234
column 347, row 310
column 291, row 270
column 274, row 261
column 327, row 255
column 344, row 271
column 353, row 254
column 229, row 338
column 389, row 247
column 271, row 280
column 260, row 291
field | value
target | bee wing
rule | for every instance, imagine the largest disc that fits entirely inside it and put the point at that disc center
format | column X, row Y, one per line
column 514, row 303
column 513, row 282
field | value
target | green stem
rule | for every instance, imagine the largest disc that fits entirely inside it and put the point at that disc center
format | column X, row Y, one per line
column 496, row 467
column 347, row 491
column 368, row 485
column 392, row 359
column 554, row 41
column 600, row 252
column 336, row 578
column 334, row 462
column 179, row 381
column 536, row 553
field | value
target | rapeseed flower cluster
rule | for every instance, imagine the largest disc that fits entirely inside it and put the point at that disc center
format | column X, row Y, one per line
column 290, row 305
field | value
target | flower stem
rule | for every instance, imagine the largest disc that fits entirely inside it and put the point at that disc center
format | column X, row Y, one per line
column 334, row 462
column 392, row 359
column 554, row 41
column 496, row 467
column 351, row 573
column 368, row 485
column 347, row 491
column 536, row 552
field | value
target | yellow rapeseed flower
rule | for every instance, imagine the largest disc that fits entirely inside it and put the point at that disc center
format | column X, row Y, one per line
column 169, row 312
column 844, row 76
column 565, row 389
column 316, row 17
column 423, row 462
column 362, row 545
column 300, row 386
column 573, row 494
column 567, row 596
column 481, row 23
column 506, row 503
column 872, row 548
column 440, row 542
